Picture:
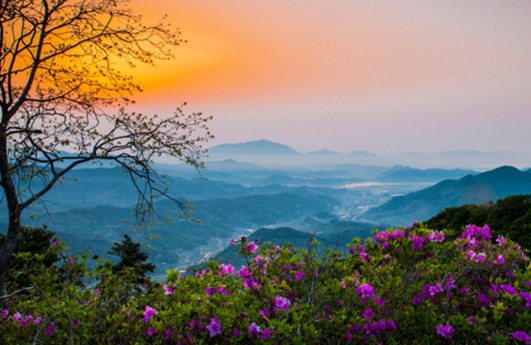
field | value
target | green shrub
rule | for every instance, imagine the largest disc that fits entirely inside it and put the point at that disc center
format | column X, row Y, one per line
column 406, row 286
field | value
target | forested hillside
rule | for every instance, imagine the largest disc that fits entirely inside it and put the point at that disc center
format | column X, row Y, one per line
column 509, row 217
column 99, row 227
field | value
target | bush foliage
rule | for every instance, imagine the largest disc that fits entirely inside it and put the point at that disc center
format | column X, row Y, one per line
column 509, row 217
column 404, row 286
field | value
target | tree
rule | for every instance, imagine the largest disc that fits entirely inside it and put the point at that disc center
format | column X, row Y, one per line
column 60, row 92
column 33, row 241
column 131, row 256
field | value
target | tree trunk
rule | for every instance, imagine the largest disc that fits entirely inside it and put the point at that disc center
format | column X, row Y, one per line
column 7, row 252
column 13, row 205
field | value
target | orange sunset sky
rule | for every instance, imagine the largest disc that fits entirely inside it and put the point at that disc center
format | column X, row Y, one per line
column 385, row 76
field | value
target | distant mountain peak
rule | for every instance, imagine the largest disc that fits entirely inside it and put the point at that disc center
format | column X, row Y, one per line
column 503, row 171
column 256, row 147
column 362, row 153
column 323, row 152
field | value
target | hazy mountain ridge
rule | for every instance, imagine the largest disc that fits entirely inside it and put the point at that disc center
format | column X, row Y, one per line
column 323, row 152
column 364, row 153
column 257, row 147
column 229, row 171
column 478, row 189
column 268, row 152
column 220, row 218
column 401, row 173
column 110, row 187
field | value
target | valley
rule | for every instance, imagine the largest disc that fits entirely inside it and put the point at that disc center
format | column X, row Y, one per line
column 232, row 198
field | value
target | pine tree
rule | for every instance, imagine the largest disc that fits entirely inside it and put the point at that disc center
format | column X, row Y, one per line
column 132, row 257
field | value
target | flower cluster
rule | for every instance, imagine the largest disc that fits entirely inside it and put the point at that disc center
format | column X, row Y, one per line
column 402, row 286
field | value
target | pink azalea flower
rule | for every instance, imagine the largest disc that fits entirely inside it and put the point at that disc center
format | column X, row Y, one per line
column 368, row 313
column 434, row 289
column 365, row 257
column 266, row 334
column 379, row 301
column 148, row 314
column 299, row 275
column 71, row 261
column 55, row 244
column 24, row 322
column 5, row 313
column 481, row 257
column 445, row 331
column 168, row 290
column 280, row 303
column 522, row 336
column 251, row 246
column 49, row 329
column 349, row 337
column 226, row 269
column 435, row 236
column 151, row 331
column 526, row 297
column 417, row 242
column 509, row 289
column 37, row 320
column 470, row 255
column 17, row 317
column 500, row 259
column 232, row 243
column 254, row 330
column 500, row 241
column 168, row 335
column 365, row 290
column 244, row 272
column 214, row 327
column 450, row 284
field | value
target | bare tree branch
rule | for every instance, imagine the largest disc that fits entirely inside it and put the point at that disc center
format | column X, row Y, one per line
column 62, row 99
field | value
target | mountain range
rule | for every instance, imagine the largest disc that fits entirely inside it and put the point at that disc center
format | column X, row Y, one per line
column 323, row 152
column 258, row 147
column 399, row 173
column 471, row 189
column 265, row 151
column 250, row 174
column 99, row 227
column 111, row 187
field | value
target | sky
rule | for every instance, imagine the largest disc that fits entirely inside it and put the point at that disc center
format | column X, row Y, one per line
column 384, row 76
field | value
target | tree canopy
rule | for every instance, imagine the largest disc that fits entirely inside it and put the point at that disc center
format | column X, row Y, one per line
column 62, row 102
